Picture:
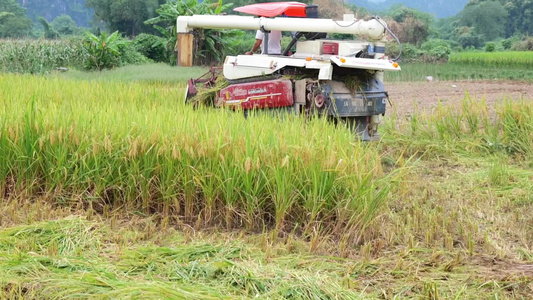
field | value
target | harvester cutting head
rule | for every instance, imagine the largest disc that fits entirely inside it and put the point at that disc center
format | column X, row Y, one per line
column 340, row 79
column 206, row 81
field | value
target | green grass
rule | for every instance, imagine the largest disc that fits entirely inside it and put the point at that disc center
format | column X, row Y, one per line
column 517, row 59
column 161, row 73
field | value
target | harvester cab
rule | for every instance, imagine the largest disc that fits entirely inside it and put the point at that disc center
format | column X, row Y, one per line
column 340, row 79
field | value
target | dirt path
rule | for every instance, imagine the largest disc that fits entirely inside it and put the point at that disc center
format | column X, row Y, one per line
column 426, row 95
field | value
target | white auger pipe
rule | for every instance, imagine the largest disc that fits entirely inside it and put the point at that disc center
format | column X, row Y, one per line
column 372, row 28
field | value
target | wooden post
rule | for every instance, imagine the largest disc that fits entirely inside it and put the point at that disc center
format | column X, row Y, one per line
column 185, row 49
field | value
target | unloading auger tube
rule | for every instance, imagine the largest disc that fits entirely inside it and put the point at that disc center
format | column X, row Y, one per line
column 342, row 79
column 372, row 29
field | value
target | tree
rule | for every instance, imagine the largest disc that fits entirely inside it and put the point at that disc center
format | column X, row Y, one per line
column 49, row 32
column 410, row 25
column 210, row 44
column 520, row 17
column 126, row 16
column 331, row 9
column 466, row 37
column 64, row 25
column 13, row 20
column 488, row 18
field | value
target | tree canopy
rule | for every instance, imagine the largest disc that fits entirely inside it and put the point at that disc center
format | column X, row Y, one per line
column 126, row 16
column 13, row 20
column 487, row 18
column 520, row 17
column 64, row 25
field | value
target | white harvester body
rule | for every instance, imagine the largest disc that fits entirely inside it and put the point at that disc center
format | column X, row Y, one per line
column 327, row 66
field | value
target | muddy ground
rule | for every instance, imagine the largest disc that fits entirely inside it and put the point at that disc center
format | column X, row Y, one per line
column 407, row 97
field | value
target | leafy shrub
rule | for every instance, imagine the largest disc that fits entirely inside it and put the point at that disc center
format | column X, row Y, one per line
column 490, row 47
column 49, row 32
column 130, row 56
column 102, row 51
column 436, row 50
column 152, row 46
column 242, row 41
column 470, row 41
column 437, row 54
column 409, row 51
column 434, row 43
column 526, row 44
column 64, row 25
column 210, row 44
column 507, row 44
column 109, row 51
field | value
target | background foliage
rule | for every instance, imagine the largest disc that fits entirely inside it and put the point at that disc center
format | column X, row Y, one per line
column 484, row 25
column 13, row 20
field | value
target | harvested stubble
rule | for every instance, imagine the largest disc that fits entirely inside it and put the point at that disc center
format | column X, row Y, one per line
column 138, row 147
column 76, row 258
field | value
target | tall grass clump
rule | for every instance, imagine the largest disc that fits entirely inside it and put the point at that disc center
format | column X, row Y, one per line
column 105, row 146
column 517, row 127
column 470, row 128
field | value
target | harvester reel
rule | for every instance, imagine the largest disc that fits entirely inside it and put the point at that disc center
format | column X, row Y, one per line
column 320, row 100
column 206, row 81
column 315, row 99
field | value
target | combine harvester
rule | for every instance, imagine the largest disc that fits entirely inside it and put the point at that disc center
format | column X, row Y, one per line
column 341, row 79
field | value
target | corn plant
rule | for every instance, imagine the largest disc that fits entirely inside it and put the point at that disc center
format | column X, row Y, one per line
column 40, row 56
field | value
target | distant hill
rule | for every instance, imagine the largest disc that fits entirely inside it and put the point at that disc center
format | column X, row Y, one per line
column 439, row 8
column 50, row 9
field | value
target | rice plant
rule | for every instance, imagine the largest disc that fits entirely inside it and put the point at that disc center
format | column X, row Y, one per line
column 522, row 59
column 509, row 130
column 139, row 147
column 147, row 172
column 457, row 70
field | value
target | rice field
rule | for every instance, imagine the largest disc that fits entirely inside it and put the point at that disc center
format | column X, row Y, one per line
column 458, row 72
column 116, row 189
column 112, row 145
column 509, row 59
column 470, row 66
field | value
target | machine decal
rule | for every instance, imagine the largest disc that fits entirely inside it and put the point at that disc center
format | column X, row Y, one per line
column 256, row 91
column 259, row 94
